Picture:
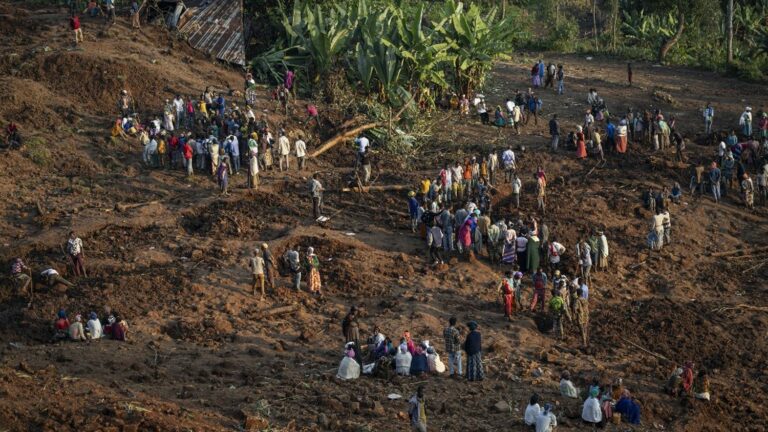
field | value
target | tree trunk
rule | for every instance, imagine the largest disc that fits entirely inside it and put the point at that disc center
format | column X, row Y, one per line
column 615, row 22
column 730, row 31
column 666, row 46
column 594, row 22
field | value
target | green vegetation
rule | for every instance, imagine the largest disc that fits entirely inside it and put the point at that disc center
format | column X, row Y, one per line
column 683, row 32
column 394, row 51
column 36, row 149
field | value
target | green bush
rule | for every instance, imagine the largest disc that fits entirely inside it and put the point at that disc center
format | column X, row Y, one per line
column 36, row 149
column 748, row 71
column 564, row 36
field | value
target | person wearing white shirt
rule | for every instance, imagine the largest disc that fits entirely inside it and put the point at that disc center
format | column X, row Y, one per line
column 362, row 144
column 150, row 153
column 590, row 412
column 301, row 152
column 567, row 388
column 546, row 421
column 94, row 327
column 284, row 147
column 532, row 411
column 555, row 250
column 508, row 159
column 517, row 186
column 493, row 166
column 510, row 107
column 178, row 106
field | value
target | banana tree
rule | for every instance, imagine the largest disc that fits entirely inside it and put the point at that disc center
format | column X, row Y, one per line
column 475, row 42
column 320, row 34
column 421, row 49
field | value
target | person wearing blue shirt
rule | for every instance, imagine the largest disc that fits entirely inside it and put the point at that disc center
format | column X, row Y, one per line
column 220, row 103
column 714, row 178
column 610, row 132
column 628, row 408
column 413, row 210
column 709, row 114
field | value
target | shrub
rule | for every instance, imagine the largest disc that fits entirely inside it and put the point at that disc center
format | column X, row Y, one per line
column 36, row 149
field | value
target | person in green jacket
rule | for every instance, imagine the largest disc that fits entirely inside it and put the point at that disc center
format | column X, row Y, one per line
column 556, row 308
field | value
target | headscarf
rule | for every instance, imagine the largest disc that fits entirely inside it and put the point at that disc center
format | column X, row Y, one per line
column 547, row 408
column 310, row 251
column 62, row 314
column 93, row 316
column 78, row 317
column 594, row 391
column 678, row 372
column 403, row 348
column 472, row 325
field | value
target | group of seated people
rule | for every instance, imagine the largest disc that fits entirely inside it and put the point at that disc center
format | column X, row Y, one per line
column 659, row 200
column 601, row 405
column 684, row 382
column 112, row 327
column 383, row 359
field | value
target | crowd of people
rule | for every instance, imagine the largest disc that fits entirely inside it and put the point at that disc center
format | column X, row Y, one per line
column 453, row 212
column 214, row 137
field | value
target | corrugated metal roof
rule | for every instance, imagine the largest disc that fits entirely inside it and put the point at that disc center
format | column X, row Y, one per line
column 217, row 28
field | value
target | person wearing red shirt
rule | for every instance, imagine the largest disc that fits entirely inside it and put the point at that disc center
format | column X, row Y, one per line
column 312, row 114
column 74, row 22
column 173, row 149
column 187, row 150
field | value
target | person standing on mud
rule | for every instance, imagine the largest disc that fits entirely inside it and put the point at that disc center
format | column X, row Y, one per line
column 222, row 172
column 506, row 290
column 257, row 271
column 74, row 22
column 76, row 255
column 301, row 152
column 714, row 179
column 350, row 328
column 269, row 266
column 556, row 309
column 473, row 347
column 417, row 410
column 539, row 290
column 294, row 267
column 284, row 147
column 135, row 15
column 451, row 337
column 554, row 131
column 316, row 192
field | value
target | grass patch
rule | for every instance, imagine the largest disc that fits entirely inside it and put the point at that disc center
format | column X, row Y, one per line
column 36, row 149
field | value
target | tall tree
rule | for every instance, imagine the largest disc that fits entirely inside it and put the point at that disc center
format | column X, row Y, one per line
column 730, row 31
